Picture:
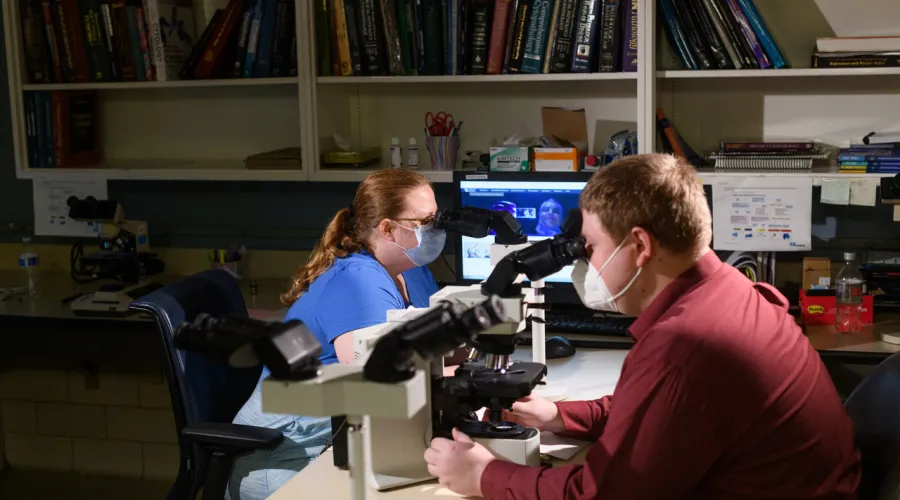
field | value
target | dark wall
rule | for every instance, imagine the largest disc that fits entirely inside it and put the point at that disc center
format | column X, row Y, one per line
column 192, row 214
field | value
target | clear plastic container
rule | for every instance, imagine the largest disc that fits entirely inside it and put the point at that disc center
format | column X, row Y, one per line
column 29, row 262
column 850, row 287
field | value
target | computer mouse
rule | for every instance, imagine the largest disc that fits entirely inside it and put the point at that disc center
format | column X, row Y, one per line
column 558, row 347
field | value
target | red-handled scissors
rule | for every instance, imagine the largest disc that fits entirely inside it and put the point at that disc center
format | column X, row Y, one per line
column 439, row 123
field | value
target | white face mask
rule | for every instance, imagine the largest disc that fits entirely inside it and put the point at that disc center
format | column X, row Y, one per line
column 591, row 288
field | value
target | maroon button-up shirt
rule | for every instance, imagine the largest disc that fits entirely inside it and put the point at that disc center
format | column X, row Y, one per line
column 721, row 397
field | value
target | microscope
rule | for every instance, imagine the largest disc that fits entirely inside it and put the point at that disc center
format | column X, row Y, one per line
column 487, row 379
column 124, row 256
column 389, row 383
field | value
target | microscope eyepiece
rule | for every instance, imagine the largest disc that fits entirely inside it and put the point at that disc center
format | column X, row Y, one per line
column 479, row 222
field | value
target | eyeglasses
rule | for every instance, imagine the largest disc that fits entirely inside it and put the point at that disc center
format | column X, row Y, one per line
column 420, row 221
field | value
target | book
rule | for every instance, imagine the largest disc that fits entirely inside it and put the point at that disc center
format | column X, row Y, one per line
column 170, row 24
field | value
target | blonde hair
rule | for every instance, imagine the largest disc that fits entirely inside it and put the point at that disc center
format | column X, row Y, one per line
column 657, row 192
column 381, row 195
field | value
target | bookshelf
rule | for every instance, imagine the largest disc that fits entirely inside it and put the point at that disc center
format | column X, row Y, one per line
column 202, row 129
column 185, row 130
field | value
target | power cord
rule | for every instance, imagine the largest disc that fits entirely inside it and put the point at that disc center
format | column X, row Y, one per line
column 80, row 273
column 449, row 267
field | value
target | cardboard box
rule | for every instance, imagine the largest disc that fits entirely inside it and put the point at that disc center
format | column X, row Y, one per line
column 510, row 159
column 816, row 273
column 822, row 309
column 555, row 160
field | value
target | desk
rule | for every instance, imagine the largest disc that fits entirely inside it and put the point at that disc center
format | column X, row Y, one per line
column 865, row 347
column 42, row 331
column 589, row 374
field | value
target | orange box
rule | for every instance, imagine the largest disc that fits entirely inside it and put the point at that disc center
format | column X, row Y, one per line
column 555, row 159
column 822, row 309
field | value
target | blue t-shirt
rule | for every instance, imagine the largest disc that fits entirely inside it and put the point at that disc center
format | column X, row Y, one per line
column 356, row 292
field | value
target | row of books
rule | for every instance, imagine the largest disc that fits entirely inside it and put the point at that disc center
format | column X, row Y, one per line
column 62, row 129
column 81, row 41
column 246, row 39
column 857, row 52
column 474, row 37
column 719, row 34
column 870, row 158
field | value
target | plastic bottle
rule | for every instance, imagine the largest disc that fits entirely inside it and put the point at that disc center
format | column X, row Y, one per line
column 412, row 154
column 396, row 153
column 28, row 262
column 850, row 287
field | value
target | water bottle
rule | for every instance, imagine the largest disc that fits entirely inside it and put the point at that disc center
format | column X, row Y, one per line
column 850, row 287
column 28, row 262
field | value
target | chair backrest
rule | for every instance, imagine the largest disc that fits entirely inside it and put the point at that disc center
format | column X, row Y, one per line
column 874, row 407
column 202, row 390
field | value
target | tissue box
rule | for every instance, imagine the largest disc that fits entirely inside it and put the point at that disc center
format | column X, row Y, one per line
column 510, row 159
column 555, row 160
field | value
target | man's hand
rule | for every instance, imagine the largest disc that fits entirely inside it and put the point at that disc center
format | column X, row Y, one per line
column 458, row 463
column 534, row 411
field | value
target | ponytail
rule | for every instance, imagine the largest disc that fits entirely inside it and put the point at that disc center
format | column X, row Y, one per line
column 337, row 242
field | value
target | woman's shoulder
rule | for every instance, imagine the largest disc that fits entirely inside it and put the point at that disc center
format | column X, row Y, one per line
column 354, row 266
column 347, row 274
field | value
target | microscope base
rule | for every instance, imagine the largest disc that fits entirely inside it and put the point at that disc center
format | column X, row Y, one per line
column 526, row 451
column 112, row 300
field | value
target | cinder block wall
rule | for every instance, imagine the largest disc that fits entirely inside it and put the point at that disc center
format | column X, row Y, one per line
column 118, row 424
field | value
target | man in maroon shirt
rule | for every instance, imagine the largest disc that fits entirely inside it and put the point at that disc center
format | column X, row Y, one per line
column 721, row 396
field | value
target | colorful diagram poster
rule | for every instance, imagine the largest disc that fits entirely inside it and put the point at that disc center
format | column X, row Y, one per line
column 762, row 214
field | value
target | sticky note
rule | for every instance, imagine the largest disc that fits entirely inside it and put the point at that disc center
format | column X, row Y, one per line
column 835, row 192
column 862, row 192
column 896, row 213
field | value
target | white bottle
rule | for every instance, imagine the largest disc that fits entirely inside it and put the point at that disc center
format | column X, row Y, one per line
column 412, row 154
column 396, row 153
column 28, row 262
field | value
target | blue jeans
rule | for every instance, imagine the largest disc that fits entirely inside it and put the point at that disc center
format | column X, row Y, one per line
column 261, row 473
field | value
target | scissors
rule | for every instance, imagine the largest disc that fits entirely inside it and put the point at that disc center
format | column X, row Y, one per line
column 439, row 123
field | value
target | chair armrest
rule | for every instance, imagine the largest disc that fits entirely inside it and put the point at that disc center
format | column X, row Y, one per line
column 232, row 437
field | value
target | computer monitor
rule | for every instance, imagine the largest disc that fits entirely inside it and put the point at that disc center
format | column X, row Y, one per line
column 538, row 200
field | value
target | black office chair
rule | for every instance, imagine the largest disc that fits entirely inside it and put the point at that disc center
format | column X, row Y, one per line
column 874, row 407
column 206, row 395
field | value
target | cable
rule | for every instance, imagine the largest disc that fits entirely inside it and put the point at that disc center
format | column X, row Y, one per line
column 80, row 273
column 449, row 267
column 746, row 263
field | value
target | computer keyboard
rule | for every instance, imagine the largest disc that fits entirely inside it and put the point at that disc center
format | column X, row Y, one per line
column 586, row 323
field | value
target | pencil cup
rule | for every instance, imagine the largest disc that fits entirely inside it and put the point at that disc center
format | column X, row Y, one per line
column 443, row 151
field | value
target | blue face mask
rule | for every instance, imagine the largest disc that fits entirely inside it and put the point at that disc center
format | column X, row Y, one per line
column 430, row 244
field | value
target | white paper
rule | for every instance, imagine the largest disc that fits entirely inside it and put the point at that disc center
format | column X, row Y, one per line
column 762, row 214
column 51, row 213
column 862, row 192
column 835, row 192
column 560, row 447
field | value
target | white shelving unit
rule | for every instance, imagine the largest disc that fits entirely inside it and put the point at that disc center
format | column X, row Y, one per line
column 202, row 130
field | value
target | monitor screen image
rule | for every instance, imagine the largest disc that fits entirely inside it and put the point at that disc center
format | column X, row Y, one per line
column 540, row 206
